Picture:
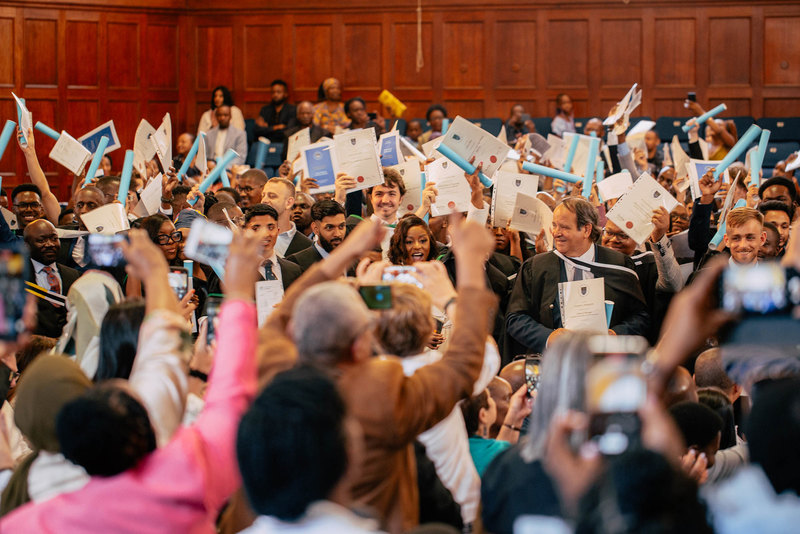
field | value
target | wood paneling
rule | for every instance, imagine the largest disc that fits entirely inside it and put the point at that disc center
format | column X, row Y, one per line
column 82, row 62
column 781, row 51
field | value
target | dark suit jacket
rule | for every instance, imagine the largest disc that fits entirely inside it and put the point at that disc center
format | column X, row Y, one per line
column 50, row 319
column 289, row 273
column 657, row 301
column 65, row 258
column 299, row 242
column 306, row 258
column 534, row 312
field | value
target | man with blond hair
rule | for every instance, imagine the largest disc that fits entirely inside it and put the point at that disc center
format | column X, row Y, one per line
column 744, row 235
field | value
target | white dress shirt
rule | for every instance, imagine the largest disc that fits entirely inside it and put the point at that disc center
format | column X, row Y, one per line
column 41, row 276
column 321, row 517
column 322, row 252
column 387, row 239
column 219, row 147
column 284, row 240
column 586, row 274
column 79, row 251
column 276, row 268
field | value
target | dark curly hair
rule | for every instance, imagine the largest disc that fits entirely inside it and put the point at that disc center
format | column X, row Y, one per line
column 397, row 247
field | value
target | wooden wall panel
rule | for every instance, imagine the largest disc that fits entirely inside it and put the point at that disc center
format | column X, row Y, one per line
column 82, row 53
column 264, row 57
column 214, row 45
column 126, row 115
column 462, row 62
column 567, row 54
column 313, row 46
column 123, row 55
column 675, row 52
column 620, row 52
column 161, row 56
column 7, row 58
column 781, row 51
column 515, row 54
column 82, row 116
column 41, row 52
column 362, row 61
column 404, row 54
column 729, row 45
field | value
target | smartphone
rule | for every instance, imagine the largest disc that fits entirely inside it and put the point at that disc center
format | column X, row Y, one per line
column 179, row 281
column 208, row 243
column 763, row 288
column 104, row 250
column 615, row 390
column 533, row 372
column 13, row 273
column 213, row 304
column 691, row 97
column 372, row 116
column 401, row 273
column 376, row 297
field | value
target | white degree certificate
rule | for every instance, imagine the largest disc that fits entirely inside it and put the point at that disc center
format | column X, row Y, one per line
column 358, row 157
column 412, row 179
column 269, row 293
column 504, row 194
column 634, row 211
column 583, row 306
column 468, row 140
column 531, row 215
column 297, row 141
column 454, row 192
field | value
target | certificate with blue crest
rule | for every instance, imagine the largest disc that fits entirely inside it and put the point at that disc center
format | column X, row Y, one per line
column 320, row 163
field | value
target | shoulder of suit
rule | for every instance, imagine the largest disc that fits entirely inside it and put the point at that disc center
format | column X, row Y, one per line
column 289, row 265
column 608, row 255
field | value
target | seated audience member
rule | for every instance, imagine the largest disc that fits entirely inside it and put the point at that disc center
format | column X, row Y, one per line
column 329, row 228
column 263, row 219
column 480, row 414
column 220, row 96
column 304, row 119
column 780, row 189
column 250, row 187
column 51, row 382
column 45, row 271
column 280, row 194
column 301, row 214
column 330, row 327
column 721, row 134
column 518, row 482
column 435, row 117
column 564, row 120
column 108, row 432
column 413, row 131
column 701, row 428
column 534, row 318
column 225, row 136
column 412, row 241
column 297, row 480
column 781, row 215
column 657, row 269
column 500, row 390
column 769, row 250
column 275, row 117
column 183, row 144
column 329, row 114
column 709, row 373
column 518, row 124
column 356, row 111
column 655, row 157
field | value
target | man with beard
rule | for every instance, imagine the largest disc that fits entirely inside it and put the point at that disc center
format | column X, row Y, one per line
column 42, row 240
column 273, row 118
column 74, row 250
column 301, row 214
column 263, row 217
column 328, row 223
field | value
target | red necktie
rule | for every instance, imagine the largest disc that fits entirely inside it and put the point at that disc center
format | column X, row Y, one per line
column 52, row 279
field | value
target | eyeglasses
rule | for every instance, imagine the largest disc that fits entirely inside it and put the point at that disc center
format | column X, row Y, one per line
column 165, row 239
column 620, row 236
column 28, row 205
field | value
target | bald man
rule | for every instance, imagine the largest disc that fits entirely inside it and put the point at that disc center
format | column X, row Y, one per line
column 710, row 372
column 304, row 119
column 42, row 240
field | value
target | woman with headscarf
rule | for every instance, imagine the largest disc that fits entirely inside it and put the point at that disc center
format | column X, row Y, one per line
column 50, row 382
column 329, row 114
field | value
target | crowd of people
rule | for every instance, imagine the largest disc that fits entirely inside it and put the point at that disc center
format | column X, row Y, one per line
column 451, row 400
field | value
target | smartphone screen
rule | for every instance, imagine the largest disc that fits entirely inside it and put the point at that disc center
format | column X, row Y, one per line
column 758, row 289
column 213, row 304
column 179, row 281
column 13, row 266
column 533, row 372
column 401, row 273
column 692, row 96
column 376, row 297
column 104, row 250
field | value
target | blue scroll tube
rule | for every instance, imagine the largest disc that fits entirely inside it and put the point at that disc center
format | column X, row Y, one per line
column 445, row 125
column 594, row 147
column 468, row 168
column 5, row 137
column 422, row 181
column 743, row 144
column 571, row 153
column 552, row 173
column 261, row 156
column 703, row 118
column 757, row 158
column 98, row 157
column 189, row 266
column 190, row 156
column 213, row 175
column 598, row 176
column 125, row 178
column 23, row 141
column 717, row 239
column 49, row 132
column 609, row 311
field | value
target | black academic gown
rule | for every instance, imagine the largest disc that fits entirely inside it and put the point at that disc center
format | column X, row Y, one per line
column 657, row 301
column 533, row 310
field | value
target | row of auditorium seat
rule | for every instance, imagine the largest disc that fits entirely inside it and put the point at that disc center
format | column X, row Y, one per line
column 784, row 136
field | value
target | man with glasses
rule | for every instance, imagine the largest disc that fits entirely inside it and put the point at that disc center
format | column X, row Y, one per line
column 250, row 187
column 26, row 203
column 658, row 270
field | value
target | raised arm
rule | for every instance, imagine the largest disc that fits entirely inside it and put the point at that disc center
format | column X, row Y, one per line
column 51, row 207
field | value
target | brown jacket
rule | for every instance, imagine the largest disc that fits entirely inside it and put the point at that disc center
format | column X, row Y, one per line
column 394, row 409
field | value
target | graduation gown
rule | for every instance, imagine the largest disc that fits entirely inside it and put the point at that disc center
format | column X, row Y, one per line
column 533, row 309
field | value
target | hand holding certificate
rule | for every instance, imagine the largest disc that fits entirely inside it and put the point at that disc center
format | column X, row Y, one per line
column 504, row 194
column 355, row 152
column 454, row 191
column 531, row 216
column 633, row 212
column 269, row 293
column 412, row 179
column 297, row 141
column 468, row 141
column 70, row 153
column 389, row 147
column 583, row 306
column 321, row 165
